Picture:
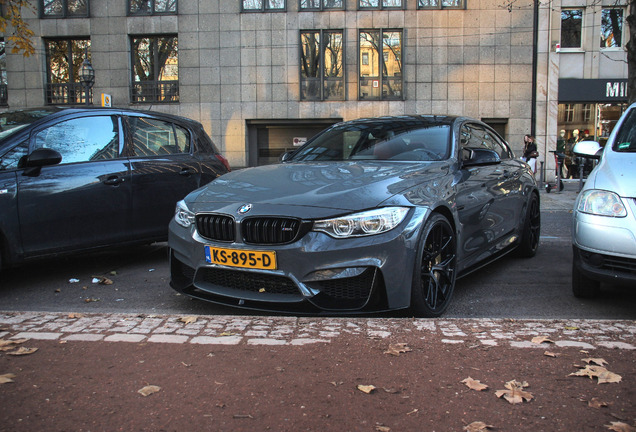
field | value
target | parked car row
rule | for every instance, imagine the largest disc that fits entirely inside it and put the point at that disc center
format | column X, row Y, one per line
column 369, row 215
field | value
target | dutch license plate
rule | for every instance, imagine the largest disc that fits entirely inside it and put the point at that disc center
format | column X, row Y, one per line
column 241, row 258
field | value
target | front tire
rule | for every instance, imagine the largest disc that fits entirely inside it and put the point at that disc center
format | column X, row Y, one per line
column 531, row 230
column 434, row 277
column 583, row 286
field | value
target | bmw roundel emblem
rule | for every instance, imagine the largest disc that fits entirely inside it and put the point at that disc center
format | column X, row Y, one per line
column 245, row 208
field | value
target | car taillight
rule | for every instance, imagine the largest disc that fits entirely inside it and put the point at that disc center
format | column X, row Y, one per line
column 224, row 162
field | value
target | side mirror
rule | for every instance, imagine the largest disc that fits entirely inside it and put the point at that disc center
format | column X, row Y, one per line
column 480, row 156
column 588, row 149
column 42, row 157
column 38, row 158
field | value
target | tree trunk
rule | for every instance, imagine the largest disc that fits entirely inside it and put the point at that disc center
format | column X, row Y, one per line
column 631, row 53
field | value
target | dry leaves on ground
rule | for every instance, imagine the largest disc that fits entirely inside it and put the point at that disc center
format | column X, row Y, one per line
column 148, row 390
column 474, row 384
column 8, row 345
column 550, row 354
column 101, row 280
column 541, row 339
column 477, row 427
column 599, row 372
column 620, row 427
column 515, row 393
column 397, row 349
column 596, row 361
column 74, row 315
column 22, row 351
column 366, row 388
column 188, row 319
column 381, row 428
column 6, row 378
column 596, row 403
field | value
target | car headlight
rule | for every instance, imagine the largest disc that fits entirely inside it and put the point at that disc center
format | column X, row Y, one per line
column 182, row 215
column 601, row 203
column 362, row 224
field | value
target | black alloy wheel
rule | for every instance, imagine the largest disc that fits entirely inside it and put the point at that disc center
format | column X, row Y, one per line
column 434, row 278
column 531, row 230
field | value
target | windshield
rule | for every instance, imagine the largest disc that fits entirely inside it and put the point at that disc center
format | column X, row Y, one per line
column 626, row 137
column 12, row 121
column 378, row 141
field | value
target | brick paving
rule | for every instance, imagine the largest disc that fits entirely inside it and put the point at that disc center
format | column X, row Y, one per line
column 295, row 331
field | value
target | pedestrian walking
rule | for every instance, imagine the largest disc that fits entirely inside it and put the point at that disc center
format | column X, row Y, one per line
column 530, row 153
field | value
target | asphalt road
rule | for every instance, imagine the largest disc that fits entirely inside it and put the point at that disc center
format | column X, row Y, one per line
column 510, row 288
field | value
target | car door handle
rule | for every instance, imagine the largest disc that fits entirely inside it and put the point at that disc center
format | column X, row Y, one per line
column 187, row 172
column 114, row 180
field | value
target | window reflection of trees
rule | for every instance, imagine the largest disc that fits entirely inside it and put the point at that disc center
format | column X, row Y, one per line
column 322, row 65
column 611, row 28
column 263, row 5
column 155, row 69
column 64, row 58
column 389, row 64
column 149, row 7
column 321, row 4
column 64, row 8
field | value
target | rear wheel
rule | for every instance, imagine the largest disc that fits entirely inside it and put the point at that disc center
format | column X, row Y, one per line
column 434, row 278
column 583, row 286
column 531, row 229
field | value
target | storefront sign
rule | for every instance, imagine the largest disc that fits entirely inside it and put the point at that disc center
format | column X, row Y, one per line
column 592, row 90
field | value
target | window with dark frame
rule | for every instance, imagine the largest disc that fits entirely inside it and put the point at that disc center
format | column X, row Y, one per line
column 381, row 77
column 318, row 5
column 322, row 65
column 155, row 69
column 441, row 4
column 571, row 27
column 4, row 96
column 263, row 5
column 64, row 8
column 64, row 58
column 612, row 28
column 381, row 4
column 152, row 7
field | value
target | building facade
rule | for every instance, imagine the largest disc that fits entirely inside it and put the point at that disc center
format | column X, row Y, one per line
column 263, row 76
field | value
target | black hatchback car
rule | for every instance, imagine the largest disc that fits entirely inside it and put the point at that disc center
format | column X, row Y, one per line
column 74, row 179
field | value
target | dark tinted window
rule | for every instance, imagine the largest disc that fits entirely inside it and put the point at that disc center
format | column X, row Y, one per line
column 153, row 137
column 478, row 137
column 626, row 137
column 379, row 141
column 81, row 139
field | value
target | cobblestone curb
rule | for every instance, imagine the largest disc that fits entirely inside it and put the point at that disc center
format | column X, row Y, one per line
column 293, row 331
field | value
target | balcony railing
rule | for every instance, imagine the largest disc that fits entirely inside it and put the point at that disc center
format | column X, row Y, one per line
column 67, row 94
column 155, row 91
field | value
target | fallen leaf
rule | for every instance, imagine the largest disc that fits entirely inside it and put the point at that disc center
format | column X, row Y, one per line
column 515, row 393
column 242, row 416
column 596, row 361
column 22, row 351
column 391, row 390
column 477, row 427
column 571, row 328
column 101, row 280
column 412, row 412
column 148, row 390
column 397, row 349
column 595, row 403
column 474, row 384
column 383, row 428
column 188, row 319
column 58, row 290
column 541, row 339
column 73, row 315
column 91, row 300
column 366, row 388
column 6, row 378
column 602, row 374
column 620, row 427
column 227, row 334
column 261, row 290
column 7, row 345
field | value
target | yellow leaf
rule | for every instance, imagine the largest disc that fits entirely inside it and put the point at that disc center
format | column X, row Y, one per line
column 595, row 403
column 474, row 384
column 477, row 427
column 397, row 349
column 6, row 378
column 602, row 374
column 620, row 427
column 541, row 339
column 596, row 361
column 366, row 388
column 550, row 354
column 6, row 345
column 515, row 393
column 75, row 315
column 22, row 351
column 383, row 428
column 148, row 390
column 188, row 319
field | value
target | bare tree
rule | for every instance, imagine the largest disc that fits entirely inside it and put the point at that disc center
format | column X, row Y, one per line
column 11, row 19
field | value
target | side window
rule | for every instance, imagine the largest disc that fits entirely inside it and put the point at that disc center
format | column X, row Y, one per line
column 492, row 142
column 11, row 159
column 82, row 139
column 153, row 137
column 474, row 136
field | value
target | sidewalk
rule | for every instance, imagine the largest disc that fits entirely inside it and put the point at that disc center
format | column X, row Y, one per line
column 560, row 200
column 240, row 373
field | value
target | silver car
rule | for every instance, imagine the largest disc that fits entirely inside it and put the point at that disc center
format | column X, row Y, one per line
column 604, row 220
column 370, row 215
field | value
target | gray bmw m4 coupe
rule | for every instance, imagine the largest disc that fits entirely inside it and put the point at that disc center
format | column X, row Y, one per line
column 369, row 215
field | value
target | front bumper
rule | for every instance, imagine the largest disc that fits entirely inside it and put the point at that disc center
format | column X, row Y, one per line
column 316, row 274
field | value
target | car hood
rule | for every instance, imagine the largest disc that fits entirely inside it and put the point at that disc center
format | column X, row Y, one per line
column 342, row 186
column 616, row 172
